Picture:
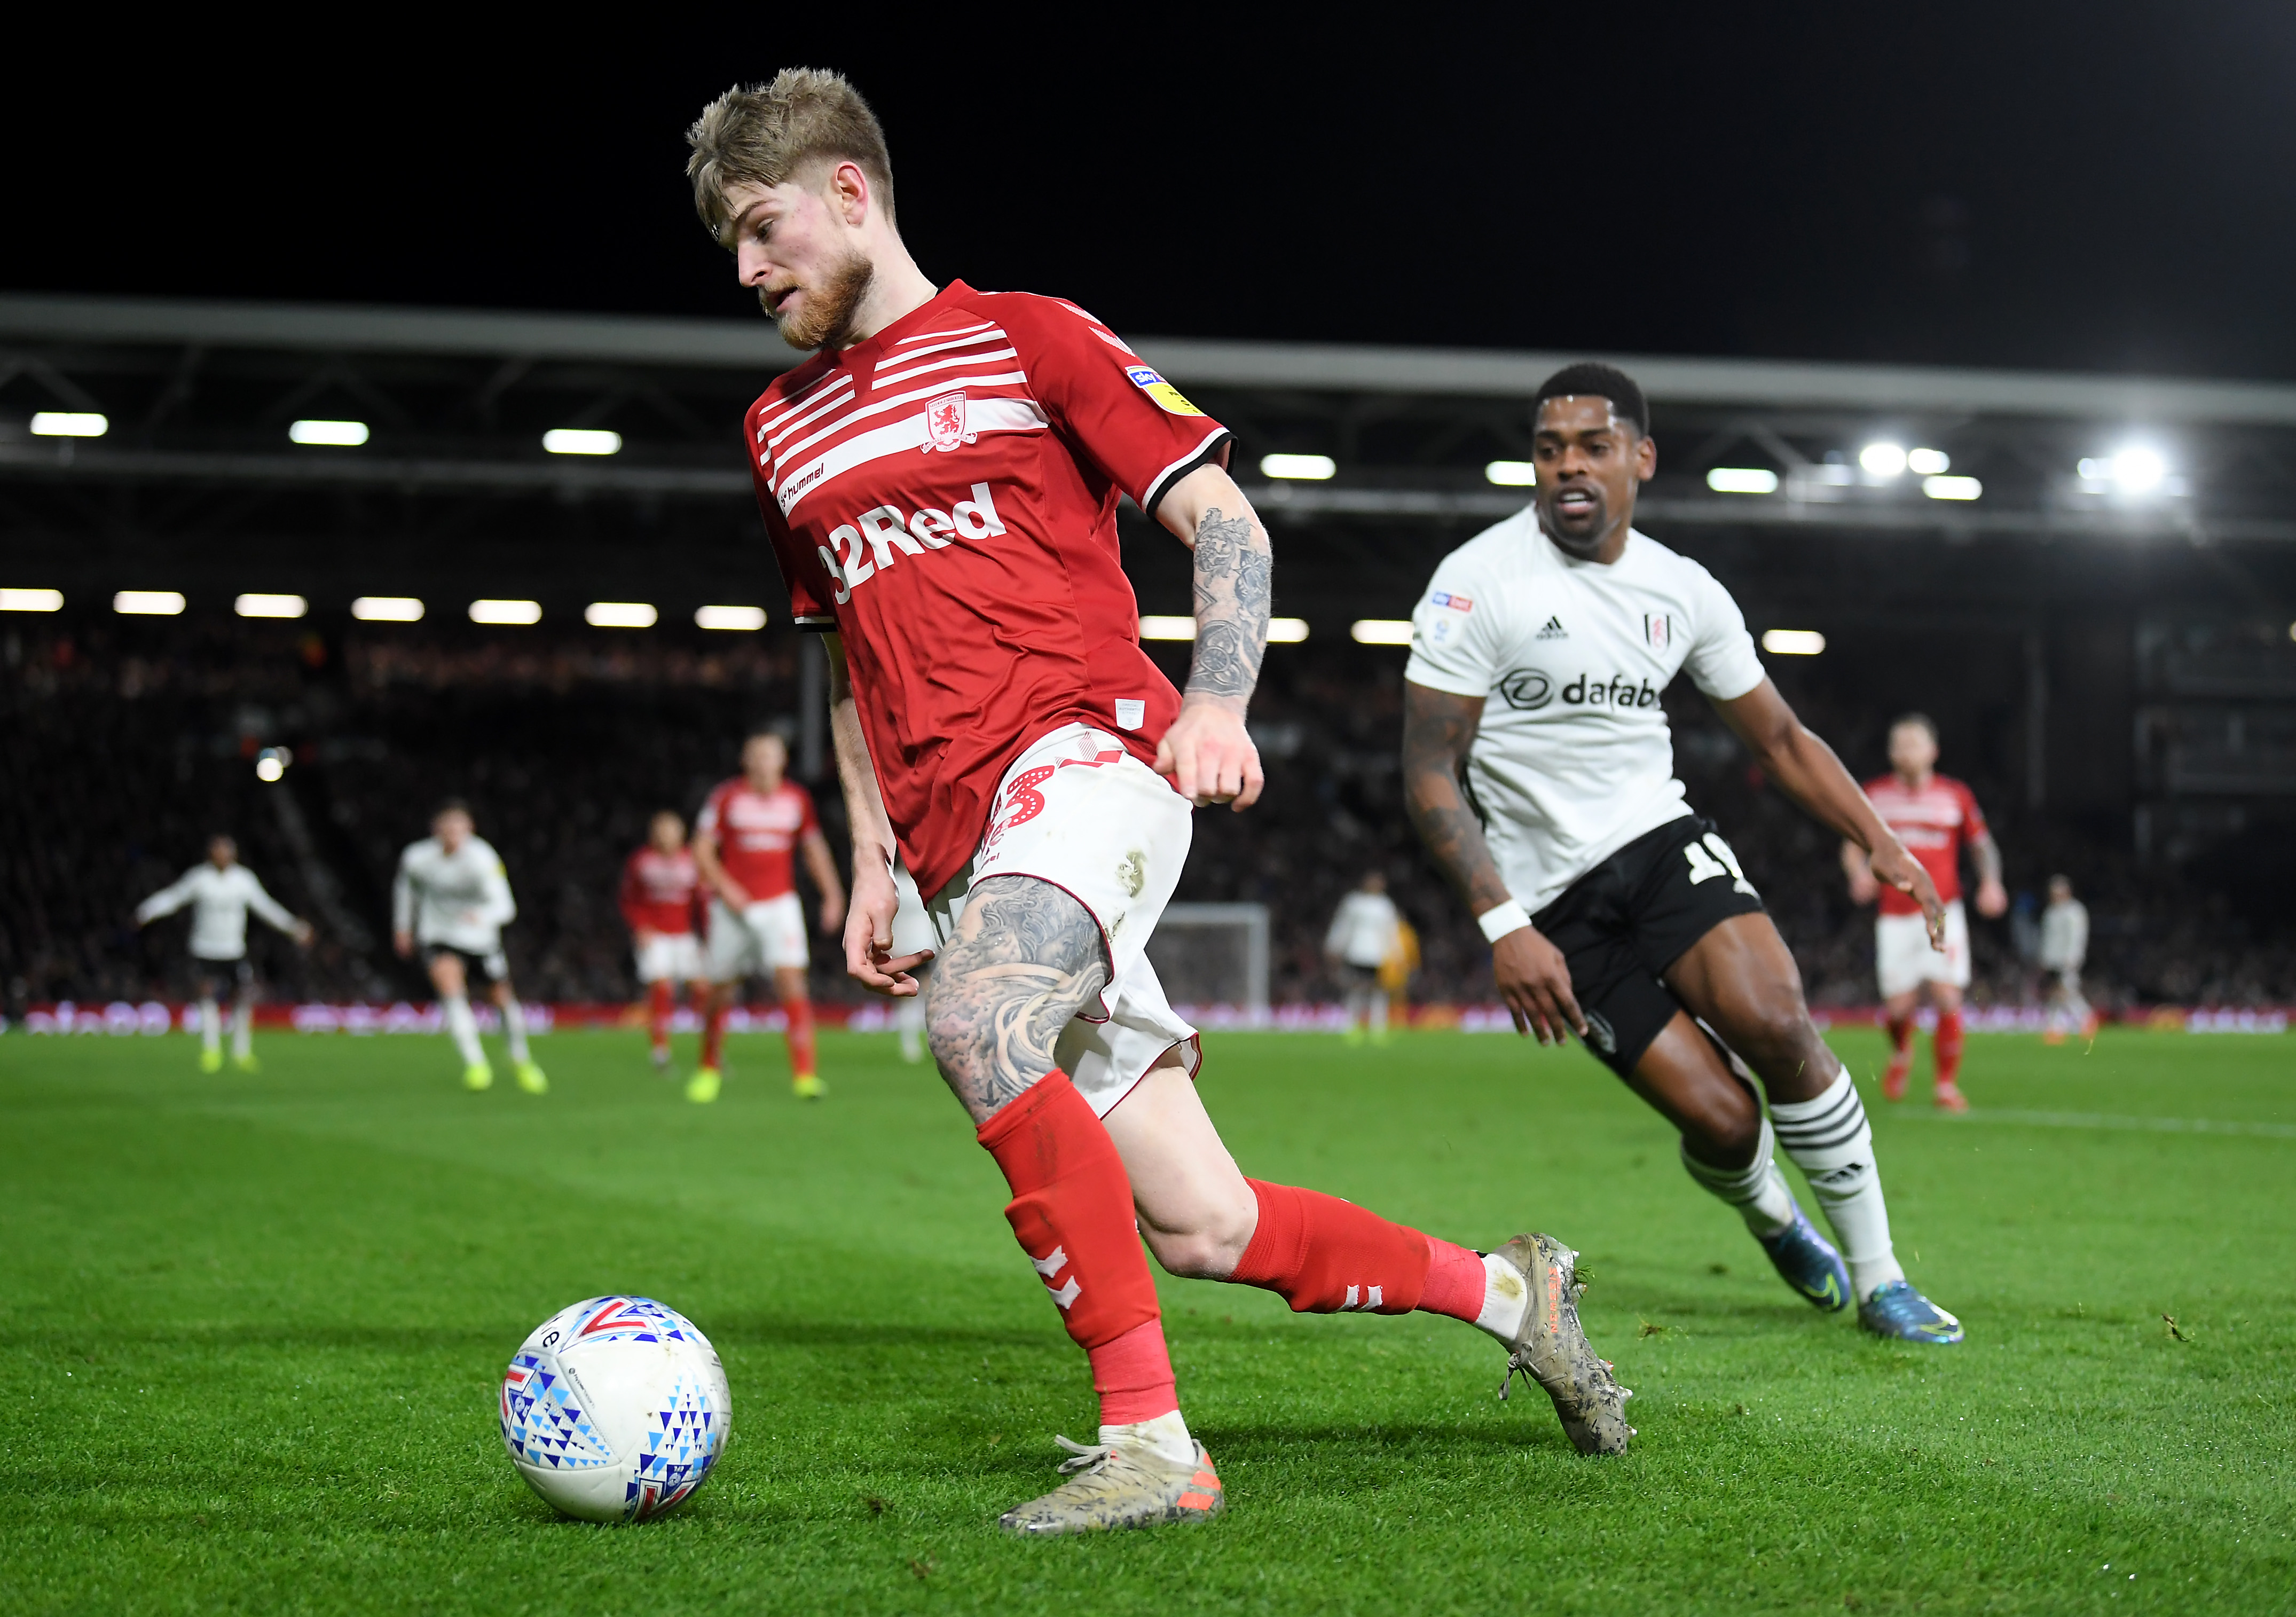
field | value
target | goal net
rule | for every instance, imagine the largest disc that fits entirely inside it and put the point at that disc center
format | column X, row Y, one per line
column 1212, row 954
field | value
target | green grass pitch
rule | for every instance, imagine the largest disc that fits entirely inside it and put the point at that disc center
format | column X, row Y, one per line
column 254, row 1325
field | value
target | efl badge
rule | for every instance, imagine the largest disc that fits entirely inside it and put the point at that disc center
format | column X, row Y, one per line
column 1656, row 630
column 1162, row 392
column 946, row 423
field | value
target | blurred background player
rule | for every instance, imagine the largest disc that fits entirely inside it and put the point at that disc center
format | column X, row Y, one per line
column 743, row 845
column 1935, row 817
column 660, row 885
column 452, row 899
column 1364, row 935
column 221, row 891
column 2065, row 946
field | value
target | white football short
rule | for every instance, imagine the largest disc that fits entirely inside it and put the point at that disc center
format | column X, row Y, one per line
column 1904, row 960
column 671, row 956
column 1077, row 810
column 762, row 937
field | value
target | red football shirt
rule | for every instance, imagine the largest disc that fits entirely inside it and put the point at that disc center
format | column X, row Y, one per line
column 1934, row 824
column 757, row 834
column 658, row 891
column 944, row 496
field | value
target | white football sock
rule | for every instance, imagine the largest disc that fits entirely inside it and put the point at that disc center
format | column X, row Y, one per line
column 464, row 1029
column 1832, row 1144
column 1757, row 1190
column 1166, row 1437
column 1506, row 1299
column 243, row 1029
column 909, row 1019
column 211, row 1027
column 513, row 1015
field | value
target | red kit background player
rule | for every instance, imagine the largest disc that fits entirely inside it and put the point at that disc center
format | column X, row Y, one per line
column 1935, row 817
column 745, row 843
column 661, row 888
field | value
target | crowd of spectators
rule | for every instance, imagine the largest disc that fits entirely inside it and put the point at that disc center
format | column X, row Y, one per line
column 129, row 746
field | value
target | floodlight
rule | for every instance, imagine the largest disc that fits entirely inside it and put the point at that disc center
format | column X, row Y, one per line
column 1512, row 474
column 388, row 609
column 505, row 611
column 1792, row 641
column 1286, row 631
column 147, row 603
column 1307, row 468
column 342, row 434
column 730, row 616
column 1882, row 459
column 581, row 441
column 1929, row 463
column 2139, row 469
column 31, row 600
column 1741, row 479
column 271, row 764
column 69, row 424
column 1380, row 631
column 270, row 606
column 1952, row 488
column 1152, row 628
column 619, row 614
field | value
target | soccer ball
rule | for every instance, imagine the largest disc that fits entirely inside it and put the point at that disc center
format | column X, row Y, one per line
column 615, row 1409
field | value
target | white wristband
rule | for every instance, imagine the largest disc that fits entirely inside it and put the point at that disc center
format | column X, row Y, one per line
column 1501, row 919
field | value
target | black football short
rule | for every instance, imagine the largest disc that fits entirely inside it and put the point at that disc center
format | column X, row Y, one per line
column 216, row 977
column 493, row 967
column 1623, row 923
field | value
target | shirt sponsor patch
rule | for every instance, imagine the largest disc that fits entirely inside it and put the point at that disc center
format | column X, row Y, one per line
column 1457, row 603
column 1162, row 392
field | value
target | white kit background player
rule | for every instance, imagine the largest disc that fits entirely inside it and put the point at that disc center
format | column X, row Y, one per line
column 220, row 891
column 1539, row 769
column 451, row 900
column 940, row 483
column 1366, row 930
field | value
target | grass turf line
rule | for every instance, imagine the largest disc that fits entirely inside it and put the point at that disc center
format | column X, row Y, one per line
column 254, row 1326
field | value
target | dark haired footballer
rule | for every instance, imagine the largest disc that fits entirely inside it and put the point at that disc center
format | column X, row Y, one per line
column 1539, row 769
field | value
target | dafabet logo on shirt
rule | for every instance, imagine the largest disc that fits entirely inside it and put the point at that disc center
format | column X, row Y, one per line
column 1527, row 690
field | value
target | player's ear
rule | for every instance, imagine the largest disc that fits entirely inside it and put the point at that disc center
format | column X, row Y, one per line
column 1646, row 458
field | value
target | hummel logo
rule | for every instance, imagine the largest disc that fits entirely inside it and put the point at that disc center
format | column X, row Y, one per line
column 1554, row 630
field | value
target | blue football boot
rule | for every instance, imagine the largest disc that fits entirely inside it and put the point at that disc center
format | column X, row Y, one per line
column 1898, row 1311
column 1808, row 1262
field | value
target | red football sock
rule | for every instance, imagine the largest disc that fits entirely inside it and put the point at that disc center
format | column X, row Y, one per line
column 1456, row 1281
column 800, row 1035
column 1326, row 1256
column 664, row 995
column 1071, row 1212
column 1947, row 1045
column 713, row 1035
column 1901, row 1033
column 1133, row 1376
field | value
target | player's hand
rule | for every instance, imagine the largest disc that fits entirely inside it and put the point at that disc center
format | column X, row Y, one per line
column 832, row 913
column 1893, row 864
column 869, row 957
column 1207, row 754
column 303, row 934
column 402, row 944
column 1992, row 900
column 642, row 938
column 1863, row 888
column 1534, row 979
column 737, row 896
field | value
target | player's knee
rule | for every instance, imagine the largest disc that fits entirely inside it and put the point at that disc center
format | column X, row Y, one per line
column 1726, row 1128
column 1208, row 1244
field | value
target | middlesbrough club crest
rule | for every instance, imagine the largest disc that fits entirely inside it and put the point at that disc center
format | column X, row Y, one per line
column 945, row 425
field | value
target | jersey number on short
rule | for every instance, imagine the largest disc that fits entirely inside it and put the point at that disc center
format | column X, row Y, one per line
column 1702, row 863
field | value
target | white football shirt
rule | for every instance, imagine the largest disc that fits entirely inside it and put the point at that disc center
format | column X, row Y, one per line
column 219, row 900
column 1574, row 759
column 460, row 900
column 1363, row 932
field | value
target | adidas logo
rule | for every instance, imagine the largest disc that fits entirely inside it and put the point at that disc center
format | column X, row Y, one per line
column 1553, row 630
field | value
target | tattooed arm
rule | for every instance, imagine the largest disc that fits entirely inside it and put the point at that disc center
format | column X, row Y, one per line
column 1532, row 976
column 1207, row 752
column 1025, row 959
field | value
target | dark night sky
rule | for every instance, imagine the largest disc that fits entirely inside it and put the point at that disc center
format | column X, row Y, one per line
column 2089, row 187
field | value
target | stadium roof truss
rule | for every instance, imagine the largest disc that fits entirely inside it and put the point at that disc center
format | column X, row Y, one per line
column 199, row 397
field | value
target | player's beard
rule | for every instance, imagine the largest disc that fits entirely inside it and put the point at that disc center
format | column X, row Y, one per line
column 827, row 312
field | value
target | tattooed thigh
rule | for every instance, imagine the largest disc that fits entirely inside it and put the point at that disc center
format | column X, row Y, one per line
column 1025, row 959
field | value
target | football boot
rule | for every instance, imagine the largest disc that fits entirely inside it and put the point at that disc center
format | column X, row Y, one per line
column 702, row 1087
column 247, row 1063
column 1949, row 1098
column 1807, row 1262
column 1897, row 1311
column 1895, row 1076
column 211, row 1060
column 661, row 1058
column 1112, row 1486
column 1551, row 1348
column 478, row 1076
column 807, row 1087
column 530, row 1078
